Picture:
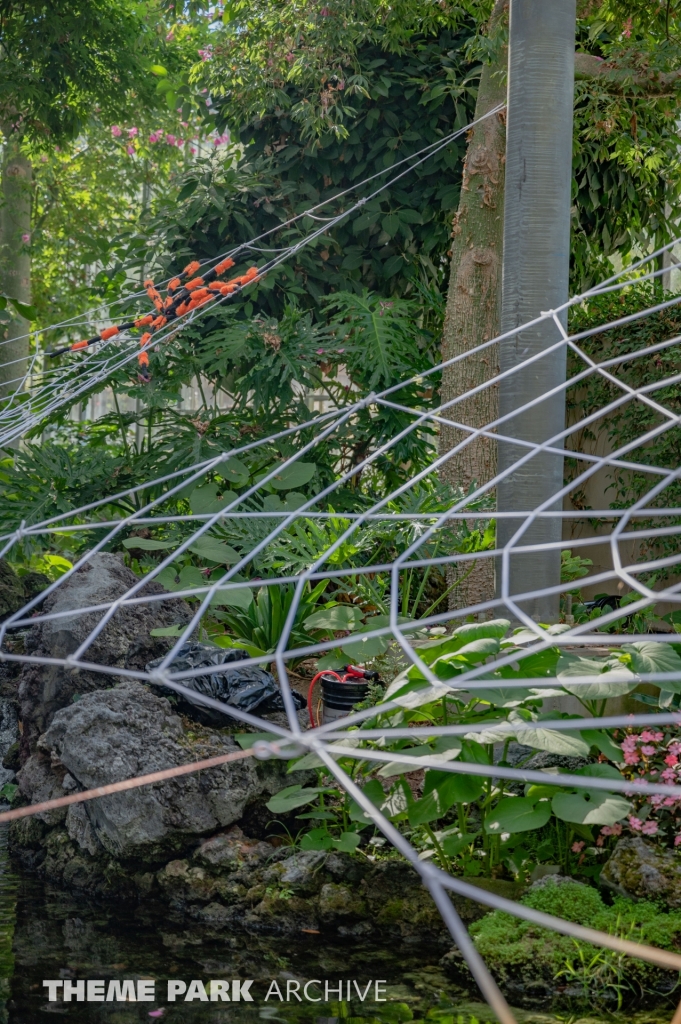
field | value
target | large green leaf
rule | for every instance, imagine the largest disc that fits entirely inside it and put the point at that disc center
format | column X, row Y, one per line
column 373, row 790
column 293, row 796
column 339, row 617
column 554, row 742
column 188, row 578
column 236, row 597
column 441, row 790
column 215, row 550
column 149, row 545
column 297, row 474
column 204, row 499
column 569, row 665
column 651, row 657
column 235, row 472
column 517, row 814
column 591, row 807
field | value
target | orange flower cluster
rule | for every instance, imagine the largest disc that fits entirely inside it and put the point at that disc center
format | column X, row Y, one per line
column 180, row 299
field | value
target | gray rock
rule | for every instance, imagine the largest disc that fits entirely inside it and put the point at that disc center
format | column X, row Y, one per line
column 125, row 641
column 110, row 735
column 641, row 871
column 9, row 735
column 80, row 829
column 232, row 851
column 39, row 781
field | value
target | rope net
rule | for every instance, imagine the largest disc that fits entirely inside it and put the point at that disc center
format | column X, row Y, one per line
column 492, row 660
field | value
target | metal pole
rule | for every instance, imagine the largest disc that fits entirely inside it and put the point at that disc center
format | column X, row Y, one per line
column 535, row 274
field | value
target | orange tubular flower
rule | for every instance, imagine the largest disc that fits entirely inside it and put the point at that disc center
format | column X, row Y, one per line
column 191, row 268
column 160, row 321
column 145, row 338
column 175, row 283
column 143, row 359
column 225, row 265
column 144, row 321
column 250, row 274
column 182, row 308
column 78, row 344
column 200, row 293
column 109, row 332
column 196, row 283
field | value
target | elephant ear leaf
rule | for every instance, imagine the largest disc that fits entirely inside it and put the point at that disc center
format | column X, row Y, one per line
column 615, row 683
column 518, row 814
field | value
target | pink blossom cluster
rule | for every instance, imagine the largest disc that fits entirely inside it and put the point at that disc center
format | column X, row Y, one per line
column 206, row 53
column 649, row 757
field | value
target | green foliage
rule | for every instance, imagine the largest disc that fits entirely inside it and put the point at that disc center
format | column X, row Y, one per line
column 61, row 58
column 629, row 421
column 519, row 949
column 397, row 243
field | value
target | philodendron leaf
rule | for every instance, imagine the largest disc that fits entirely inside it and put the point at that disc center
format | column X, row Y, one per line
column 296, row 474
column 517, row 814
column 590, row 807
column 339, row 617
column 215, row 550
column 441, row 791
column 398, row 767
column 317, row 839
column 372, row 791
column 347, row 842
column 614, row 683
column 650, row 656
column 235, row 597
column 291, row 797
column 454, row 844
column 554, row 742
column 145, row 544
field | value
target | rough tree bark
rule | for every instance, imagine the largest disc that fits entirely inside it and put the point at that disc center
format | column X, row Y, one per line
column 473, row 303
column 15, row 261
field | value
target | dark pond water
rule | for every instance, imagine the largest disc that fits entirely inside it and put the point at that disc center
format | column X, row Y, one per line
column 48, row 934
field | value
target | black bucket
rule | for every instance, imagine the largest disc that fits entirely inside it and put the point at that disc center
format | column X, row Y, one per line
column 340, row 698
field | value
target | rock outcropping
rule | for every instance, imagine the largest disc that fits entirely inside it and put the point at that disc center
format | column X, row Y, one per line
column 125, row 641
column 644, row 872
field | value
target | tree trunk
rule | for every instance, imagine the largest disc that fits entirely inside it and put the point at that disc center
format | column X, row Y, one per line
column 473, row 305
column 15, row 262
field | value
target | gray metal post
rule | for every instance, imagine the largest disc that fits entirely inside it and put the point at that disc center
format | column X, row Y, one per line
column 535, row 273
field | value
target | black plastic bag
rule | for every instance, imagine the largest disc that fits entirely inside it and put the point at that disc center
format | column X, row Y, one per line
column 250, row 688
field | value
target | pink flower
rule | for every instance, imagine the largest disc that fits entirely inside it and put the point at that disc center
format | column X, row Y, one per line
column 132, row 132
column 674, row 748
column 648, row 750
column 206, row 54
column 668, row 775
column 170, row 139
column 170, row 36
column 26, row 239
column 627, row 28
column 669, row 801
column 155, row 136
column 671, row 760
column 656, row 800
column 115, row 131
column 180, row 143
column 320, row 351
column 341, row 85
column 192, row 150
column 649, row 828
column 629, row 743
column 209, row 102
column 649, row 736
column 635, row 823
column 577, row 847
column 677, row 840
column 131, row 150
column 290, row 57
column 631, row 757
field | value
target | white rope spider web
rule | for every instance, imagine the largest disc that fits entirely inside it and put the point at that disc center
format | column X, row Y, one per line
column 326, row 741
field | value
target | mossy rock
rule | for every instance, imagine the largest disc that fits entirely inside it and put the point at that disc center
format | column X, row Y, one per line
column 16, row 590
